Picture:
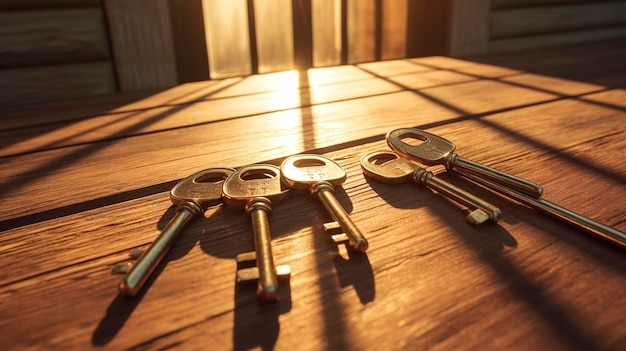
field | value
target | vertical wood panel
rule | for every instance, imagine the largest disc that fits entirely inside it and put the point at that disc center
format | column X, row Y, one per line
column 143, row 48
column 228, row 44
column 361, row 31
column 189, row 40
column 426, row 28
column 394, row 34
column 469, row 27
column 302, row 34
column 326, row 16
column 274, row 35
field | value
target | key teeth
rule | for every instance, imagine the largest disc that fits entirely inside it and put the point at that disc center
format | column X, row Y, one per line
column 478, row 217
column 331, row 226
column 246, row 257
column 252, row 274
column 135, row 253
column 340, row 238
column 122, row 268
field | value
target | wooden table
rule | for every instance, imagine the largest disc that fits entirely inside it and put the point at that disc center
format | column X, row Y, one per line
column 85, row 181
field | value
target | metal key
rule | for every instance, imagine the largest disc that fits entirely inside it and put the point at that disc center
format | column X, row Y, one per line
column 319, row 175
column 387, row 167
column 192, row 195
column 437, row 150
column 256, row 187
column 611, row 234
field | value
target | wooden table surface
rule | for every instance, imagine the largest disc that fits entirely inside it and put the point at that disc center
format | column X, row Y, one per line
column 85, row 181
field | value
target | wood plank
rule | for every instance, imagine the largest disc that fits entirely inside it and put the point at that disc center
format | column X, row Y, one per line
column 556, row 39
column 52, row 37
column 427, row 26
column 394, row 29
column 543, row 20
column 15, row 5
column 141, row 38
column 124, row 124
column 187, row 144
column 274, row 35
column 36, row 84
column 361, row 31
column 469, row 27
column 326, row 27
column 226, row 26
column 188, row 35
column 60, row 111
column 499, row 4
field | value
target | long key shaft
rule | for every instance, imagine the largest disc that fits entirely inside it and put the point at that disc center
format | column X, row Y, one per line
column 259, row 210
column 192, row 195
column 611, row 234
column 387, row 167
column 427, row 178
column 319, row 175
column 149, row 260
column 324, row 191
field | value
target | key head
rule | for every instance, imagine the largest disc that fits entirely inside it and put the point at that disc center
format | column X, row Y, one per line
column 432, row 151
column 204, row 186
column 253, row 181
column 303, row 171
column 387, row 167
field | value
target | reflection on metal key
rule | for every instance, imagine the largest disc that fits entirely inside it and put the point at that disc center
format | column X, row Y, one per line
column 387, row 167
column 319, row 175
column 436, row 150
column 192, row 195
column 256, row 187
column 611, row 234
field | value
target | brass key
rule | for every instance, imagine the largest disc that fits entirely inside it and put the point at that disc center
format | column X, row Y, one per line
column 256, row 187
column 387, row 167
column 319, row 175
column 192, row 195
column 437, row 150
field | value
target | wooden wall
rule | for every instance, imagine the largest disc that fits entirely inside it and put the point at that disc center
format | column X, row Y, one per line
column 479, row 26
column 53, row 49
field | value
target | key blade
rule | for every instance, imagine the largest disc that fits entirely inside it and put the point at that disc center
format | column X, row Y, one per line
column 432, row 151
column 204, row 186
column 254, row 181
column 387, row 167
column 302, row 171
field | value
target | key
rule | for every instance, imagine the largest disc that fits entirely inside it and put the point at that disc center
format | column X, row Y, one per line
column 319, row 175
column 256, row 187
column 192, row 195
column 387, row 167
column 437, row 150
column 608, row 233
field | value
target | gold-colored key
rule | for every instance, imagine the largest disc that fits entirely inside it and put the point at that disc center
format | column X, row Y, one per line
column 319, row 175
column 434, row 150
column 256, row 187
column 387, row 167
column 192, row 195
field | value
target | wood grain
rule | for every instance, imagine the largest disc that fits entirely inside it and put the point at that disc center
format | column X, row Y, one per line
column 555, row 39
column 430, row 280
column 469, row 27
column 542, row 20
column 52, row 37
column 22, row 86
column 14, row 5
column 141, row 38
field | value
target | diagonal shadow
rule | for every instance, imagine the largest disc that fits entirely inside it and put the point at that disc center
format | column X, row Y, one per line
column 598, row 169
column 488, row 243
column 89, row 149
